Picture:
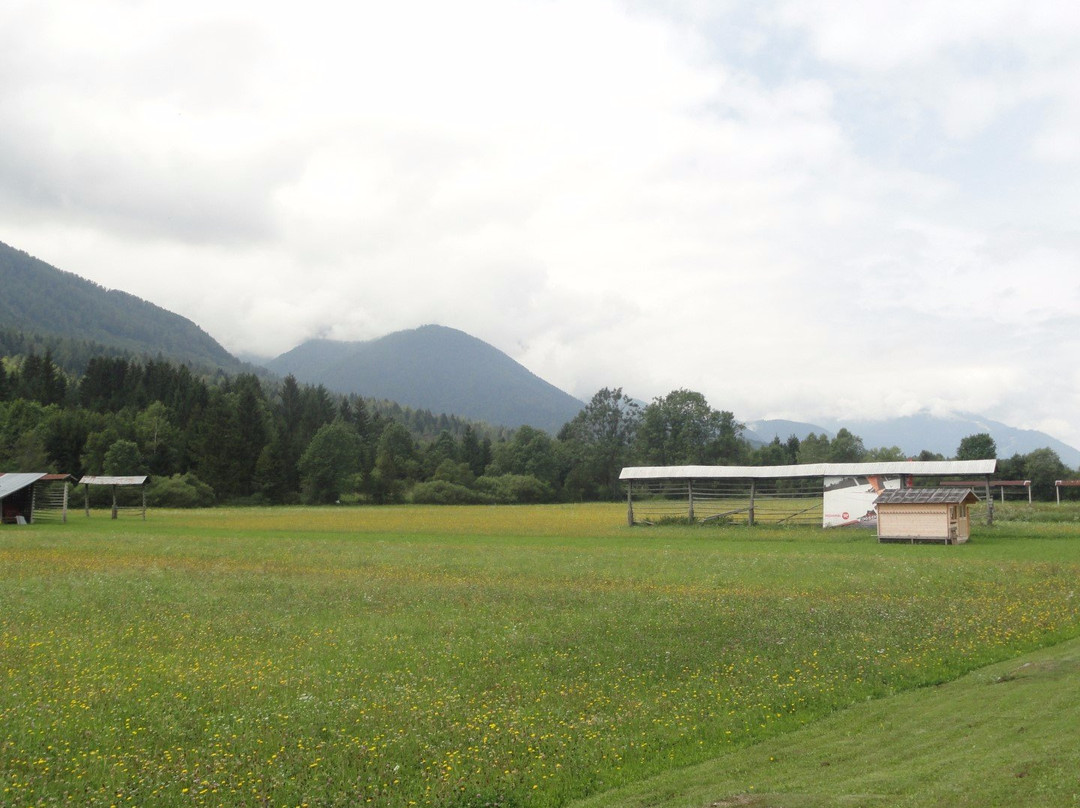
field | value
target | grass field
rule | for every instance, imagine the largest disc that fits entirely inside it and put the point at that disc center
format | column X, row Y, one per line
column 480, row 656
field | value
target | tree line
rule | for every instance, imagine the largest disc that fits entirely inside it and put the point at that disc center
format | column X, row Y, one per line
column 242, row 439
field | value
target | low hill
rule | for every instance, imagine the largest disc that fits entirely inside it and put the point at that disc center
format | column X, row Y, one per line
column 41, row 299
column 435, row 368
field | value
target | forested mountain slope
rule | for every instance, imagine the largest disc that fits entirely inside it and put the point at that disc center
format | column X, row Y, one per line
column 41, row 299
column 436, row 368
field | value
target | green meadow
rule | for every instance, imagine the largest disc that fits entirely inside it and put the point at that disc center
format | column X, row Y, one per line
column 532, row 656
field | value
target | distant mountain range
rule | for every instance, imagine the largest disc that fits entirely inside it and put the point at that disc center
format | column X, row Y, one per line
column 435, row 368
column 913, row 433
column 41, row 299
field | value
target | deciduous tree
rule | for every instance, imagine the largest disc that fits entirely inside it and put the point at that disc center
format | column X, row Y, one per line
column 682, row 429
column 980, row 446
column 328, row 463
column 598, row 442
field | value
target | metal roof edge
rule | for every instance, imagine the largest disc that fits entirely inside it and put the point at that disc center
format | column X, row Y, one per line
column 11, row 482
column 914, row 467
column 99, row 480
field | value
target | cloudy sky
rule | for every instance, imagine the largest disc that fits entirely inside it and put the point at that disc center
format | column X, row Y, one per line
column 801, row 209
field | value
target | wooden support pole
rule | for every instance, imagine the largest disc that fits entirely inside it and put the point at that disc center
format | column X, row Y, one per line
column 989, row 503
column 753, row 488
column 86, row 489
column 630, row 503
column 143, row 486
column 63, row 516
column 114, row 509
column 690, row 500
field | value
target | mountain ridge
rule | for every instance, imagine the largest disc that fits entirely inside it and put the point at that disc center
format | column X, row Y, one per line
column 437, row 368
column 922, row 430
column 41, row 299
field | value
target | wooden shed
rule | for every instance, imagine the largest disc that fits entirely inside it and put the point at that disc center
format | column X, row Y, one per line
column 931, row 515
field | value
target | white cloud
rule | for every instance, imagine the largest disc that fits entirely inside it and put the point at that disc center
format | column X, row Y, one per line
column 811, row 208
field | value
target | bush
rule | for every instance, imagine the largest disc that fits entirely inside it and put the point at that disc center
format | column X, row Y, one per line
column 441, row 492
column 516, row 488
column 179, row 491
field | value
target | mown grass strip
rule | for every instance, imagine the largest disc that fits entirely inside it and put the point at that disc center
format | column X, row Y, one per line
column 1002, row 736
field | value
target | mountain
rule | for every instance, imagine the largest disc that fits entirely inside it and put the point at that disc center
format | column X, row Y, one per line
column 765, row 431
column 913, row 433
column 434, row 368
column 41, row 299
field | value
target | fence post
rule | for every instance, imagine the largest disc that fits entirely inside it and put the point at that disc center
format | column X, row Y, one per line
column 690, row 500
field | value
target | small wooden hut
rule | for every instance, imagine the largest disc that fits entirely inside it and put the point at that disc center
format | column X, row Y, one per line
column 925, row 515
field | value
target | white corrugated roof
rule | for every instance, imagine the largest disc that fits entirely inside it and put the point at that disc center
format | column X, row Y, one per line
column 930, row 468
column 112, row 480
column 10, row 483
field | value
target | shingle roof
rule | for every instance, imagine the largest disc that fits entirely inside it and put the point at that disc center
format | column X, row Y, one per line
column 927, row 496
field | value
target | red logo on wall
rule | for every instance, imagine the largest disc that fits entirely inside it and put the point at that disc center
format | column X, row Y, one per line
column 845, row 515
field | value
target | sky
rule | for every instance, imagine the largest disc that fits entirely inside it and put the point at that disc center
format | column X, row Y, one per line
column 806, row 209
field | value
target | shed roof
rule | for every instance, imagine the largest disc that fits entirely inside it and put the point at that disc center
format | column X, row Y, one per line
column 112, row 480
column 926, row 468
column 927, row 496
column 10, row 483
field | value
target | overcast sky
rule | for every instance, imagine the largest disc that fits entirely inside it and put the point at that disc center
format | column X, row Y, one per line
column 800, row 209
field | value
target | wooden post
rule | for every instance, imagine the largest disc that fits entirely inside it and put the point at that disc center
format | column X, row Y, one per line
column 143, row 486
column 64, row 511
column 86, row 489
column 989, row 503
column 630, row 503
column 114, row 509
column 690, row 499
column 753, row 488
column 1057, row 490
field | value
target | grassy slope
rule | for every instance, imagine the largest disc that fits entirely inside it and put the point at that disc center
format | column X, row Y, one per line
column 1004, row 735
